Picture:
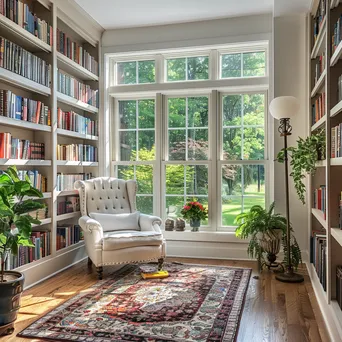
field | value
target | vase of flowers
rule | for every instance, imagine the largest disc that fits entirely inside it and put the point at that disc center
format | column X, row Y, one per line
column 194, row 212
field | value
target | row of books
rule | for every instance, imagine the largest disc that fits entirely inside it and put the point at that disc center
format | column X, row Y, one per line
column 339, row 286
column 38, row 181
column 66, row 181
column 21, row 108
column 19, row 12
column 77, row 152
column 68, row 235
column 15, row 148
column 319, row 67
column 70, row 86
column 68, row 204
column 76, row 52
column 72, row 121
column 318, row 246
column 318, row 109
column 337, row 34
column 39, row 214
column 319, row 199
column 336, row 137
column 42, row 242
column 318, row 20
column 24, row 63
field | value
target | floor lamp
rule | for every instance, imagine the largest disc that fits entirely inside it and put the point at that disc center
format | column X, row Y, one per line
column 283, row 108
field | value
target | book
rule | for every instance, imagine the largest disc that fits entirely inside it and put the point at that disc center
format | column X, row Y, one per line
column 77, row 152
column 65, row 181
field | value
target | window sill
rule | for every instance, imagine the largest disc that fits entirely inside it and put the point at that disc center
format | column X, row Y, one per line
column 221, row 237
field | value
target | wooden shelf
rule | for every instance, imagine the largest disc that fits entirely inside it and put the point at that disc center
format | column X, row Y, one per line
column 67, row 193
column 319, row 85
column 77, row 135
column 336, row 55
column 336, row 109
column 321, row 163
column 24, row 162
column 23, row 82
column 320, row 217
column 319, row 123
column 22, row 37
column 42, row 222
column 335, row 161
column 23, row 124
column 76, row 103
column 76, row 163
column 319, row 43
column 74, row 69
column 77, row 245
column 32, row 264
column 337, row 234
column 68, row 216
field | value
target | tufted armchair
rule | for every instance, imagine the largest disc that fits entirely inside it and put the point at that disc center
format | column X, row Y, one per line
column 114, row 231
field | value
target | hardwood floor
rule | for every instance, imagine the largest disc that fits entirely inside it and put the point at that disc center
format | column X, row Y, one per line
column 273, row 312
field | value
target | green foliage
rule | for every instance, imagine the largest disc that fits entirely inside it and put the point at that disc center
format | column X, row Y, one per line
column 15, row 222
column 303, row 159
column 194, row 211
column 260, row 224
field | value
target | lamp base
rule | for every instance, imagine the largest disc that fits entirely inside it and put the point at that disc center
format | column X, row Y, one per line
column 289, row 277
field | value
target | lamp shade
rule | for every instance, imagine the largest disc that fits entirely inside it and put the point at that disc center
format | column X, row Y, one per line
column 283, row 107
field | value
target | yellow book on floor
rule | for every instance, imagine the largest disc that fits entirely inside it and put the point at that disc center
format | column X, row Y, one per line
column 155, row 275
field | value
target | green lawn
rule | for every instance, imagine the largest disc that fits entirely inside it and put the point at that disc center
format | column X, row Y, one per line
column 231, row 209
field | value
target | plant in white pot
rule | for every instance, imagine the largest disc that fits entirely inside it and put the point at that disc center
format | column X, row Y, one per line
column 15, row 230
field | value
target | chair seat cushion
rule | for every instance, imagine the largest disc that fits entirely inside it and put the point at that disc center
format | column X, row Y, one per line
column 111, row 222
column 128, row 239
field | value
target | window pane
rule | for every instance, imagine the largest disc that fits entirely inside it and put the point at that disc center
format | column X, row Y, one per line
column 146, row 113
column 145, row 204
column 242, row 187
column 232, row 143
column 176, row 69
column 146, row 145
column 253, row 143
column 128, row 147
column 231, row 65
column 198, row 148
column 177, row 145
column 198, row 111
column 127, row 73
column 144, row 177
column 254, row 64
column 176, row 112
column 127, row 113
column 253, row 109
column 232, row 108
column 146, row 71
column 174, row 205
column 198, row 68
column 175, row 179
column 125, row 172
column 197, row 180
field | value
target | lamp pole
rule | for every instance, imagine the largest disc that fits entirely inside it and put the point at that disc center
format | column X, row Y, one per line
column 289, row 276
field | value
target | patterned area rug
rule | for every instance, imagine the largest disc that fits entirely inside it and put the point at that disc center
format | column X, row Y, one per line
column 195, row 303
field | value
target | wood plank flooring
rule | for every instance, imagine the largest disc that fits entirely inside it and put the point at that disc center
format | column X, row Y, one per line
column 273, row 312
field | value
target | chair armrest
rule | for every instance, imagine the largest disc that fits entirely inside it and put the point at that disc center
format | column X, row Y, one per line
column 148, row 222
column 91, row 228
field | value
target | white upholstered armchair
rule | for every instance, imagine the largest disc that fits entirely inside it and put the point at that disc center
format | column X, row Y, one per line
column 114, row 232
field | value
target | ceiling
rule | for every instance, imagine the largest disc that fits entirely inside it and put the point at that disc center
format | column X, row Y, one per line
column 114, row 14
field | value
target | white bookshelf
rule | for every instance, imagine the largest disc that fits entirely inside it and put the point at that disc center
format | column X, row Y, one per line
column 329, row 170
column 68, row 17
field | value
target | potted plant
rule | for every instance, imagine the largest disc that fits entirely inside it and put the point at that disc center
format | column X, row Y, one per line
column 15, row 231
column 267, row 231
column 303, row 159
column 194, row 212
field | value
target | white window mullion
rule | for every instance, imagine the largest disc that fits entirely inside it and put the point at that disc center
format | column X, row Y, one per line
column 186, row 130
column 158, row 179
column 137, row 129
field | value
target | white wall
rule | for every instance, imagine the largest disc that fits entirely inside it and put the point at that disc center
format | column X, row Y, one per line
column 290, row 78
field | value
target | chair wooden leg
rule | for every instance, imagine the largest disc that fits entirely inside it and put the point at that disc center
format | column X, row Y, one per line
column 160, row 264
column 99, row 271
column 90, row 263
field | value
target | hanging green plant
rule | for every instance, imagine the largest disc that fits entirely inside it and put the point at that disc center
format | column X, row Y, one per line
column 303, row 159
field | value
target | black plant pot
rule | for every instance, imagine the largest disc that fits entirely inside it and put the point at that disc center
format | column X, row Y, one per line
column 10, row 293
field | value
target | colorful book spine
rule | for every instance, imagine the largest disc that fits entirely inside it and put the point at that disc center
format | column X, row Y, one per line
column 318, row 109
column 318, row 19
column 68, row 235
column 319, row 67
column 319, row 199
column 70, row 86
column 19, row 12
column 77, row 152
column 37, row 180
column 336, row 143
column 68, row 204
column 318, row 247
column 65, row 182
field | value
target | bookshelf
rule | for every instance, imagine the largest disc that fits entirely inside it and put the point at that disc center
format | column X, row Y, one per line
column 325, row 236
column 74, row 49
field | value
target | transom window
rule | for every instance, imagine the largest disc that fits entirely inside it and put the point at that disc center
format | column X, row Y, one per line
column 135, row 72
column 183, row 143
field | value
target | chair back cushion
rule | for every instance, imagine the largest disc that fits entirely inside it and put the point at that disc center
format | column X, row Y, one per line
column 115, row 222
column 107, row 195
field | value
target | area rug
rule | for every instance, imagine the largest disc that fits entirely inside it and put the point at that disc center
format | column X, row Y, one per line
column 195, row 303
